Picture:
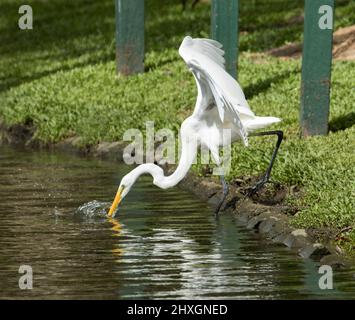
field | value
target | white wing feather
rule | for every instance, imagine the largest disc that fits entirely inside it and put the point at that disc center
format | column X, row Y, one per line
column 205, row 59
column 208, row 47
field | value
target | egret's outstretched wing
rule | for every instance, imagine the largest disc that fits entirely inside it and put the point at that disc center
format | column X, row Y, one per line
column 207, row 47
column 205, row 59
column 225, row 108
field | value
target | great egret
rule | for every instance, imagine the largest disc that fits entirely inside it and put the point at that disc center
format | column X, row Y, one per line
column 220, row 105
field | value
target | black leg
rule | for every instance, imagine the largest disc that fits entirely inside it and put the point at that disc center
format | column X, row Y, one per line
column 266, row 176
column 225, row 193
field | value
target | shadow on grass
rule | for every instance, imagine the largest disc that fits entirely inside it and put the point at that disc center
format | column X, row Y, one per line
column 69, row 34
column 342, row 122
column 15, row 80
column 256, row 88
column 65, row 35
column 75, row 28
column 55, row 24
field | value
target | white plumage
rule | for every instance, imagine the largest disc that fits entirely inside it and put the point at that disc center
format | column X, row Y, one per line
column 220, row 103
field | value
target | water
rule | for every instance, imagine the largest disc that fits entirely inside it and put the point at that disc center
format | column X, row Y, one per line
column 164, row 244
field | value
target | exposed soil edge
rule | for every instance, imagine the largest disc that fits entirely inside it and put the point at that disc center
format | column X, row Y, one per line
column 343, row 46
column 270, row 221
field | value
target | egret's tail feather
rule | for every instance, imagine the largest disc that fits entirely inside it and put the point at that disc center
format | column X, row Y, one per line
column 260, row 122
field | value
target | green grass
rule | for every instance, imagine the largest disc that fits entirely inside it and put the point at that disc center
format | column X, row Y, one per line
column 61, row 77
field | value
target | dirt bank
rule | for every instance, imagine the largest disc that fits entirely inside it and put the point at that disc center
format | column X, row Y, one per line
column 343, row 46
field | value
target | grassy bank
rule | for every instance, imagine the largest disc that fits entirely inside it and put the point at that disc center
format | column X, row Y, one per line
column 61, row 77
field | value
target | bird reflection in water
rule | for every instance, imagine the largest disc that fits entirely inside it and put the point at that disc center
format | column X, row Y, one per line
column 117, row 232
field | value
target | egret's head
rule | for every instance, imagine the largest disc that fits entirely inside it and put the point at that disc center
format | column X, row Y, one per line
column 125, row 185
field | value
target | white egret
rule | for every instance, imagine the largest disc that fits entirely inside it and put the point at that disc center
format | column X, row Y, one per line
column 220, row 105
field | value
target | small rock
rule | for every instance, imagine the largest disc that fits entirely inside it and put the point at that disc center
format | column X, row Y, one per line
column 110, row 150
column 243, row 217
column 299, row 232
column 69, row 145
column 338, row 249
column 266, row 225
column 214, row 200
column 297, row 239
column 280, row 238
column 254, row 222
column 279, row 227
column 333, row 260
column 314, row 251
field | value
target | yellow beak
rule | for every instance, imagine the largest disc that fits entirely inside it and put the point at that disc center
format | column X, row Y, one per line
column 115, row 202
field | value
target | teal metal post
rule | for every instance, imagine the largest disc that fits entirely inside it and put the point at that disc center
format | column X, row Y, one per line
column 129, row 36
column 316, row 67
column 224, row 28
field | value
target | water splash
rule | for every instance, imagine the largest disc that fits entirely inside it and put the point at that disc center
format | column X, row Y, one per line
column 93, row 209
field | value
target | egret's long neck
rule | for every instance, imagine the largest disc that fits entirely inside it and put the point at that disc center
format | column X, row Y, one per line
column 188, row 155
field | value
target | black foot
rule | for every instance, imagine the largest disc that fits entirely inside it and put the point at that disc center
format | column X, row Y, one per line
column 225, row 193
column 259, row 185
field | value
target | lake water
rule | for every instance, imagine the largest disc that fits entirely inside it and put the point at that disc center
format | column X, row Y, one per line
column 163, row 244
